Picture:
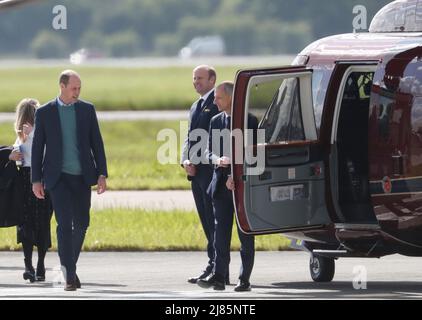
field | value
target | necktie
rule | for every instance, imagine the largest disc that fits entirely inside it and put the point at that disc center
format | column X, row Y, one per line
column 228, row 122
column 198, row 110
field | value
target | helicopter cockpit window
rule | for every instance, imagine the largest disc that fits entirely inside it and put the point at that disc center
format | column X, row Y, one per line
column 398, row 16
column 283, row 119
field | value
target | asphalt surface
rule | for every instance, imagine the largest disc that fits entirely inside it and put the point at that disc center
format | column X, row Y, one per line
column 158, row 276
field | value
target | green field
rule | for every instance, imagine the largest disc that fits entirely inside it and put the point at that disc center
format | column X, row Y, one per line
column 135, row 230
column 108, row 88
column 131, row 149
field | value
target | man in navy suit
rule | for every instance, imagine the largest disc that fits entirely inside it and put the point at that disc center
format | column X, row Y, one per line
column 67, row 159
column 195, row 162
column 220, row 190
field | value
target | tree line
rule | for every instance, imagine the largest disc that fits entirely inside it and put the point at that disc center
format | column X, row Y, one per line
column 125, row 28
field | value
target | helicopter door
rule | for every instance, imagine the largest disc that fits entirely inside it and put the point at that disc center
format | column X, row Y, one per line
column 280, row 174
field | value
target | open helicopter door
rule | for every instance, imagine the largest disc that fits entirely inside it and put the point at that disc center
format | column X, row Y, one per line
column 280, row 178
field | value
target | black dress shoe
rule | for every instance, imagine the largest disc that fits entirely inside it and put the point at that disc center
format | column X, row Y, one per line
column 40, row 274
column 77, row 282
column 242, row 286
column 211, row 281
column 70, row 286
column 29, row 274
column 194, row 280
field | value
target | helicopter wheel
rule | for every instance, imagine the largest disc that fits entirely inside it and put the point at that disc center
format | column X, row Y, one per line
column 322, row 268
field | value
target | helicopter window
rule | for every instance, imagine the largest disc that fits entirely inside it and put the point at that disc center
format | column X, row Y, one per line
column 398, row 16
column 317, row 88
column 417, row 115
column 385, row 114
column 283, row 120
column 320, row 79
column 261, row 97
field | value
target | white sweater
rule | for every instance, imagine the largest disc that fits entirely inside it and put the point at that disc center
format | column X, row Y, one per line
column 26, row 149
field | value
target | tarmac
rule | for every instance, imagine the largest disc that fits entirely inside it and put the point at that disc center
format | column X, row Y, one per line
column 163, row 276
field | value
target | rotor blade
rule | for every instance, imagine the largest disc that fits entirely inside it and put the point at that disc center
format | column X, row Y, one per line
column 4, row 4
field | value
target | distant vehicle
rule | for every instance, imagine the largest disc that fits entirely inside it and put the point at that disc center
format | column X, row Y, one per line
column 203, row 46
column 82, row 55
column 343, row 144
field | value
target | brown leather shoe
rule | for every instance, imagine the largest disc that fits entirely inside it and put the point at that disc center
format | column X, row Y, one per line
column 70, row 286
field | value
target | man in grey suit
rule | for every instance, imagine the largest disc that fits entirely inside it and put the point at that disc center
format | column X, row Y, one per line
column 196, row 164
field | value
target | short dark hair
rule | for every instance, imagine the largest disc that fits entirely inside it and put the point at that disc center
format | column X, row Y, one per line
column 65, row 76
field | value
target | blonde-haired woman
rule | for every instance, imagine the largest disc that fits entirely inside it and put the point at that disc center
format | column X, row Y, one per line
column 35, row 227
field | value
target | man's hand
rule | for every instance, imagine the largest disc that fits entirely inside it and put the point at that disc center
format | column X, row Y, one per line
column 38, row 190
column 101, row 185
column 223, row 162
column 230, row 184
column 190, row 168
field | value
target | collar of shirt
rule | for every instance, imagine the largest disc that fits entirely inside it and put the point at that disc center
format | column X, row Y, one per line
column 205, row 96
column 61, row 103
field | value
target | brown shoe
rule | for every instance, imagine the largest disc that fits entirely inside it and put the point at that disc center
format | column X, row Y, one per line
column 70, row 286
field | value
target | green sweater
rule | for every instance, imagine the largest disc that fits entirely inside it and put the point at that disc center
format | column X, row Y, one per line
column 71, row 163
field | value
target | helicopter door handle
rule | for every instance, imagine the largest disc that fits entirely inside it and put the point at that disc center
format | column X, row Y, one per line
column 290, row 154
column 399, row 164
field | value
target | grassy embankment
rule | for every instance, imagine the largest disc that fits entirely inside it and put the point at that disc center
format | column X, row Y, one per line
column 108, row 88
column 127, row 230
column 131, row 149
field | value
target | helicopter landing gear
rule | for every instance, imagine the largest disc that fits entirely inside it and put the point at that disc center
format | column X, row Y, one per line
column 322, row 268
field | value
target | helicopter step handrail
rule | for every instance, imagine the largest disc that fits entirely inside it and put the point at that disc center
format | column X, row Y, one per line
column 331, row 253
column 357, row 226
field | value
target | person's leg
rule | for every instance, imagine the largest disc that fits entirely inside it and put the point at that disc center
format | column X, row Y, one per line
column 29, row 273
column 82, row 199
column 206, row 216
column 40, row 274
column 62, row 204
column 247, row 254
column 223, row 210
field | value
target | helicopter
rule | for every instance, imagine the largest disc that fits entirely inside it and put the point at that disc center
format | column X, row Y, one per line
column 342, row 147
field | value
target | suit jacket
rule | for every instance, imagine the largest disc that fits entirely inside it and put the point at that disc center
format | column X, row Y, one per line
column 47, row 167
column 217, row 186
column 11, row 191
column 209, row 110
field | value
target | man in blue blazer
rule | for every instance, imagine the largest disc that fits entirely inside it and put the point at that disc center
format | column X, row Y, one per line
column 220, row 191
column 194, row 160
column 68, row 158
